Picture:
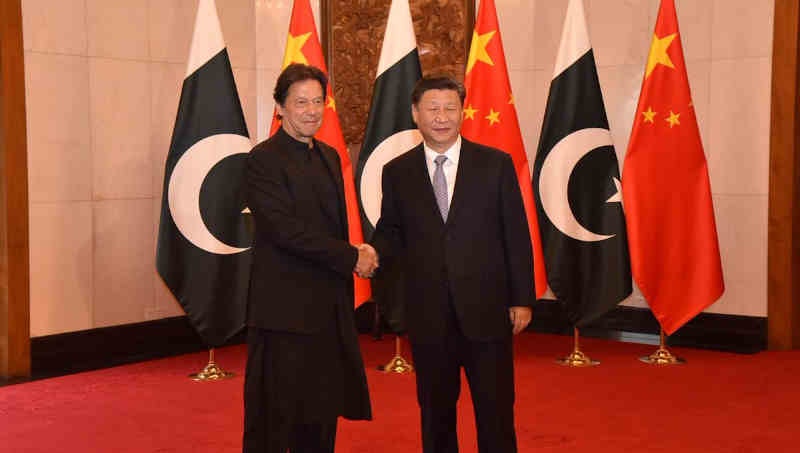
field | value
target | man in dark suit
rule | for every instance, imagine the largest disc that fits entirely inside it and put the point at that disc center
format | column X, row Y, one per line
column 452, row 214
column 304, row 366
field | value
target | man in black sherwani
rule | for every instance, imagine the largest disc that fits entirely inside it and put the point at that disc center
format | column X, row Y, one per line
column 304, row 366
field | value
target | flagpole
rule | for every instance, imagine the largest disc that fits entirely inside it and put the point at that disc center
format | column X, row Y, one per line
column 398, row 364
column 662, row 356
column 577, row 358
column 212, row 372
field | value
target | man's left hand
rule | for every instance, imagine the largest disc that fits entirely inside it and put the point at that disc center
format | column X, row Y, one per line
column 520, row 318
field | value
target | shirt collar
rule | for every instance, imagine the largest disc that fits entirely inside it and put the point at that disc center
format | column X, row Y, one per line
column 452, row 153
column 293, row 142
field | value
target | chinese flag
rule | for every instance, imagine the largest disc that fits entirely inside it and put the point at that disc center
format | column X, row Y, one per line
column 671, row 230
column 490, row 117
column 302, row 46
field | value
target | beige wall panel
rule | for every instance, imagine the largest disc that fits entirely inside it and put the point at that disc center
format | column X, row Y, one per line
column 742, row 232
column 619, row 31
column 59, row 153
column 246, row 85
column 171, row 23
column 265, row 84
column 118, row 29
column 548, row 22
column 739, row 126
column 167, row 81
column 238, row 28
column 272, row 27
column 55, row 26
column 62, row 271
column 120, row 112
column 742, row 28
column 515, row 18
column 124, row 257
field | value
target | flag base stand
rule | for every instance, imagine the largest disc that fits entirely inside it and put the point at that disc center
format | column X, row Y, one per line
column 211, row 372
column 398, row 364
column 577, row 358
column 662, row 356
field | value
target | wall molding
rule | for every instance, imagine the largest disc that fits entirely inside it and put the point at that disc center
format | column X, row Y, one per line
column 730, row 333
column 85, row 350
column 73, row 352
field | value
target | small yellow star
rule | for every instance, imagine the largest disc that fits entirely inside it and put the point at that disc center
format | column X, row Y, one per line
column 331, row 103
column 673, row 119
column 469, row 112
column 510, row 98
column 477, row 50
column 294, row 46
column 658, row 53
column 649, row 115
column 493, row 117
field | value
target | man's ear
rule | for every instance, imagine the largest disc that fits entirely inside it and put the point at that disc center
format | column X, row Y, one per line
column 414, row 113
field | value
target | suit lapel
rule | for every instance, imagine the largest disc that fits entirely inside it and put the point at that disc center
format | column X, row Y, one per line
column 464, row 174
column 422, row 179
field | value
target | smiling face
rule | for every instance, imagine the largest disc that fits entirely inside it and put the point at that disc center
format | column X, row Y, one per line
column 438, row 116
column 301, row 113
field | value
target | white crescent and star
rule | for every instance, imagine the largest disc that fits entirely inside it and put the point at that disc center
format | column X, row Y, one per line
column 184, row 188
column 554, row 181
column 388, row 149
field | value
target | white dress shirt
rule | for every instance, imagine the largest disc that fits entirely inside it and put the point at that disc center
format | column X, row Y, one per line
column 450, row 166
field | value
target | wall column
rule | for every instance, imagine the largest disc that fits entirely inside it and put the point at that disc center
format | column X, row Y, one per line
column 783, row 262
column 15, row 354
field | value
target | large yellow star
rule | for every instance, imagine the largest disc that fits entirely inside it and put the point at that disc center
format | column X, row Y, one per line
column 649, row 115
column 331, row 103
column 658, row 53
column 673, row 119
column 469, row 112
column 477, row 50
column 294, row 52
column 493, row 117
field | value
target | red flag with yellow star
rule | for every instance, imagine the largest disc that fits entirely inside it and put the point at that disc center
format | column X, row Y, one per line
column 490, row 117
column 302, row 46
column 672, row 234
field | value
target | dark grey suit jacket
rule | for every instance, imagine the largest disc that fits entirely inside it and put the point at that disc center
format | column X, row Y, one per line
column 480, row 259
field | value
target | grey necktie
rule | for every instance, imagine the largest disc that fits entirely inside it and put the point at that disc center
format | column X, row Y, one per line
column 440, row 186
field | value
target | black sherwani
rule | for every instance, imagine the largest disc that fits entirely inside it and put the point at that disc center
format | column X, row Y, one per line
column 461, row 277
column 304, row 365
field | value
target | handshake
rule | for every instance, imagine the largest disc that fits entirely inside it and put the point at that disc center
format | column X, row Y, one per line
column 367, row 261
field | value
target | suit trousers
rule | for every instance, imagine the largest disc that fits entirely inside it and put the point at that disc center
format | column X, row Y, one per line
column 489, row 368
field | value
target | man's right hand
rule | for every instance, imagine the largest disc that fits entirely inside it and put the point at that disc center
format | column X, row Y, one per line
column 367, row 261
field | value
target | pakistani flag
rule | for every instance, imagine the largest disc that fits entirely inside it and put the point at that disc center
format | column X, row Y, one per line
column 577, row 186
column 203, row 251
column 390, row 132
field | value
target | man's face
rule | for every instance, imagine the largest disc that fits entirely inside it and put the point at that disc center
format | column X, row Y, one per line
column 438, row 117
column 302, row 111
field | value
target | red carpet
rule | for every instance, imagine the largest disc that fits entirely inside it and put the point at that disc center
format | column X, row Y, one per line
column 718, row 402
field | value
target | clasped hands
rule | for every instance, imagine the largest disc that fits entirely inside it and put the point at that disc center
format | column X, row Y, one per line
column 367, row 261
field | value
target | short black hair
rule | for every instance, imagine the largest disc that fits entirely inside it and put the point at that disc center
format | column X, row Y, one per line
column 437, row 83
column 297, row 72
